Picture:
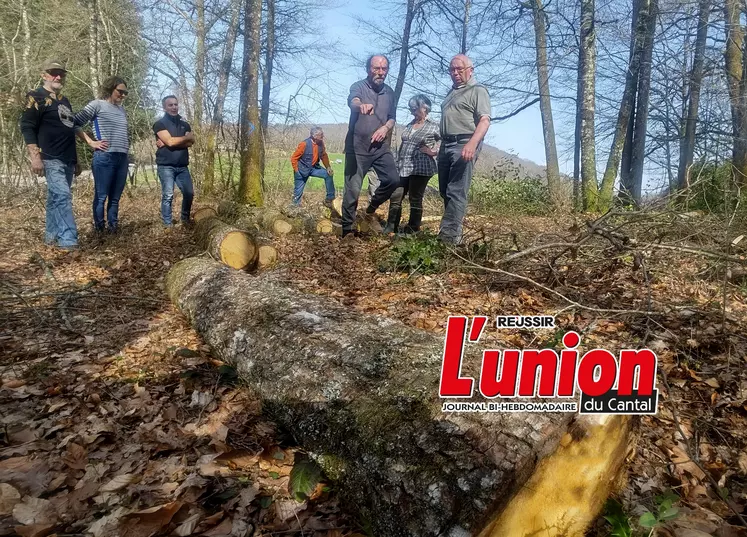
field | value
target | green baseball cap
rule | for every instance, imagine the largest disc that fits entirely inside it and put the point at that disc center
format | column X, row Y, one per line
column 49, row 65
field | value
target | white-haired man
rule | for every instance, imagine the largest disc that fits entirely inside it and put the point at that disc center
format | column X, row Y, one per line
column 465, row 119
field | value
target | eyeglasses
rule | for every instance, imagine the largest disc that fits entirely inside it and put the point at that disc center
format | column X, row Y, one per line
column 57, row 73
column 122, row 91
column 459, row 70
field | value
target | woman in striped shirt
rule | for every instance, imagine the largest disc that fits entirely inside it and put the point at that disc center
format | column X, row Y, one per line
column 111, row 145
column 416, row 164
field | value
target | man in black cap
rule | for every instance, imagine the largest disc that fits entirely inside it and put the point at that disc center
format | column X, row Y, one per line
column 47, row 128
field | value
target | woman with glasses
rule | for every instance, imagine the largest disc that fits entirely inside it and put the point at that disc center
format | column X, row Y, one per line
column 110, row 145
column 416, row 163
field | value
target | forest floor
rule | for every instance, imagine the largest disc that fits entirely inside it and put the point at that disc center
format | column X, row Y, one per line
column 117, row 420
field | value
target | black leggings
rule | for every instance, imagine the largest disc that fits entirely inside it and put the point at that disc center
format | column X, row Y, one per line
column 414, row 185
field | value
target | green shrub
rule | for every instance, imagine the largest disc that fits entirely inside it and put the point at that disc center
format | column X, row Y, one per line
column 423, row 253
column 510, row 196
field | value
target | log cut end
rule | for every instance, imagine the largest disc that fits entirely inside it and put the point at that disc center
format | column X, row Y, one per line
column 568, row 489
column 203, row 213
column 238, row 250
column 281, row 227
column 325, row 227
column 268, row 256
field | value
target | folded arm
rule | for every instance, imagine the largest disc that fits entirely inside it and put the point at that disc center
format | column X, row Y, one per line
column 176, row 142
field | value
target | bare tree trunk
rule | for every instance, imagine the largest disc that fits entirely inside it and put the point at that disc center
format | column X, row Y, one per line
column 404, row 52
column 577, row 142
column 93, row 45
column 687, row 144
column 624, row 116
column 185, row 97
column 588, row 61
column 220, row 97
column 269, row 62
column 107, row 33
column 543, row 81
column 735, row 76
column 252, row 165
column 199, row 91
column 465, row 25
column 641, row 115
column 26, row 43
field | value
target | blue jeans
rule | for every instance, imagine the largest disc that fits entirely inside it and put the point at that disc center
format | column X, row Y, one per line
column 454, row 180
column 299, row 183
column 109, row 178
column 170, row 175
column 60, row 226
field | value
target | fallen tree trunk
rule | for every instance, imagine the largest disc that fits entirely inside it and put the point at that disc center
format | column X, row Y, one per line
column 233, row 247
column 360, row 393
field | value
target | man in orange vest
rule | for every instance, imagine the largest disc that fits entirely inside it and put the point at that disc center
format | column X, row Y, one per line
column 306, row 163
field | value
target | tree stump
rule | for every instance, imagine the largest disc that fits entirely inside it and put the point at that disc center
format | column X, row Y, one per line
column 360, row 393
column 233, row 247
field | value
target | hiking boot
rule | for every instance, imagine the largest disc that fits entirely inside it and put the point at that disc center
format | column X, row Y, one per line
column 328, row 204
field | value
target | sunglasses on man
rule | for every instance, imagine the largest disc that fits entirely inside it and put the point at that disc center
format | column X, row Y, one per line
column 57, row 73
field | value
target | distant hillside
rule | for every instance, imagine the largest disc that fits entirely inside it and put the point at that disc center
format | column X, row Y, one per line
column 492, row 162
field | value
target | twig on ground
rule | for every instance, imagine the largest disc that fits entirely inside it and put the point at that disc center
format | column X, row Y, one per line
column 37, row 258
column 552, row 291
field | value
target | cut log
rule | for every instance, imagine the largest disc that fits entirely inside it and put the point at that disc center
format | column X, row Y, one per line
column 360, row 393
column 204, row 212
column 271, row 220
column 233, row 247
column 268, row 256
column 325, row 227
column 274, row 221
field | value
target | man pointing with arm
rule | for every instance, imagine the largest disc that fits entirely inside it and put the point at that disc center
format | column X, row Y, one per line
column 372, row 118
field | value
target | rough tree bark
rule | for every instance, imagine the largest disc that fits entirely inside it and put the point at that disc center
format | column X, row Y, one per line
column 220, row 97
column 736, row 75
column 588, row 67
column 543, row 82
column 360, row 393
column 687, row 143
column 626, row 107
column 252, row 164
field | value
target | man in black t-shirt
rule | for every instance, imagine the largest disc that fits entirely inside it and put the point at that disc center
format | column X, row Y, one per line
column 174, row 138
column 47, row 128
